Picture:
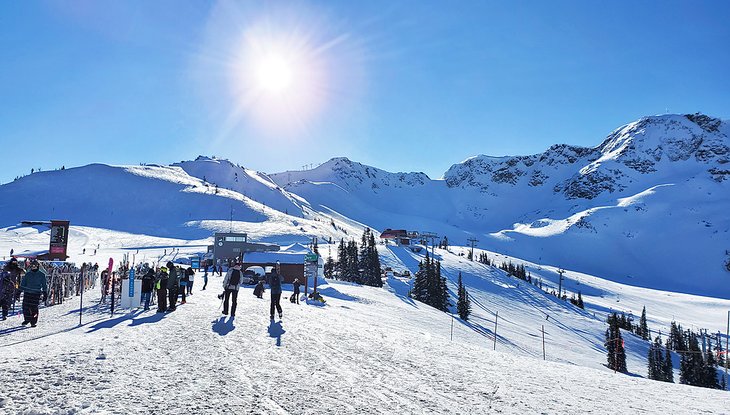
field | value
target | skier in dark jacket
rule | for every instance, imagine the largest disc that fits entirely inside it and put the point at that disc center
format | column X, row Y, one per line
column 9, row 278
column 148, row 283
column 173, row 285
column 295, row 296
column 275, row 279
column 161, row 285
column 33, row 285
column 190, row 273
column 258, row 291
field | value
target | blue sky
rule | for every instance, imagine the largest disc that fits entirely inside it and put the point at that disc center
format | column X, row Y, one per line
column 403, row 86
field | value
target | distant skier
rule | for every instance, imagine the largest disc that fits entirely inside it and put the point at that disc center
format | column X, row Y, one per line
column 220, row 270
column 258, row 291
column 162, row 278
column 33, row 286
column 275, row 279
column 231, row 283
column 295, row 296
column 148, row 283
column 173, row 285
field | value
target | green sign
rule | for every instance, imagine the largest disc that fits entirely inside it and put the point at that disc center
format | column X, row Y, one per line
column 311, row 257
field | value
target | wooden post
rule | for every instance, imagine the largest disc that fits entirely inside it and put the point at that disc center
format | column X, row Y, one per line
column 81, row 302
column 496, row 317
column 727, row 355
column 543, row 342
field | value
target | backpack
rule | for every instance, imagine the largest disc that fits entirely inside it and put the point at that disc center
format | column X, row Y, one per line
column 235, row 278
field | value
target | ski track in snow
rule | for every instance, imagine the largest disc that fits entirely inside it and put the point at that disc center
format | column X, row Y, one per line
column 366, row 352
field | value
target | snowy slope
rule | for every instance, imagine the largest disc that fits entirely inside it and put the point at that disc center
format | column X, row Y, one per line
column 367, row 351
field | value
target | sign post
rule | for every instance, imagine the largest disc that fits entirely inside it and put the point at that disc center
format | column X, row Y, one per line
column 59, row 240
column 131, row 283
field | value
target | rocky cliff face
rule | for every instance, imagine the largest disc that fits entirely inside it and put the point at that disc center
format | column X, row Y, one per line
column 658, row 146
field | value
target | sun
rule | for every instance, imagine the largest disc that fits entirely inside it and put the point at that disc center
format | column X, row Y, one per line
column 274, row 73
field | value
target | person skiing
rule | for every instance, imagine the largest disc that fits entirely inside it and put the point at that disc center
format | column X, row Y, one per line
column 191, row 278
column 275, row 280
column 231, row 283
column 173, row 285
column 295, row 296
column 148, row 282
column 33, row 285
column 258, row 291
column 162, row 290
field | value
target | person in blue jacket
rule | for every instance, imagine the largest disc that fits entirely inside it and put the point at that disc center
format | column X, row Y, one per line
column 33, row 286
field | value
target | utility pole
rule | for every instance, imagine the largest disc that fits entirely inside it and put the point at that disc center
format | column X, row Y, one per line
column 472, row 242
column 231, row 223
column 560, row 283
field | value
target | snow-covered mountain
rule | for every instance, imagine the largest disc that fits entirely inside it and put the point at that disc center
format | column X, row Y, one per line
column 654, row 190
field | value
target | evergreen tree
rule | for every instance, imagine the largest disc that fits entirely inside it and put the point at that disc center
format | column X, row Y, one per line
column 668, row 365
column 419, row 291
column 463, row 304
column 329, row 267
column 691, row 364
column 709, row 371
column 341, row 267
column 441, row 293
column 643, row 328
column 656, row 360
column 615, row 353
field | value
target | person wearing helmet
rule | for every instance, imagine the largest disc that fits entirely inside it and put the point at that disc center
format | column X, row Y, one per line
column 33, row 286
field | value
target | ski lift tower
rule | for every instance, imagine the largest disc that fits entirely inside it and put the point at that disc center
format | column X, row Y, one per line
column 432, row 236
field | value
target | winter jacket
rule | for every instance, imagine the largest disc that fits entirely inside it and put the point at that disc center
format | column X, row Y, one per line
column 296, row 288
column 148, row 281
column 34, row 282
column 190, row 273
column 227, row 278
column 275, row 281
column 7, row 288
column 173, row 280
column 162, row 281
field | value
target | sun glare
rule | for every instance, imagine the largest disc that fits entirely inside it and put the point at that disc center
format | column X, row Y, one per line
column 274, row 73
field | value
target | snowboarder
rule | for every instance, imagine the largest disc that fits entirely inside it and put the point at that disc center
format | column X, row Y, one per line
column 295, row 296
column 148, row 282
column 173, row 285
column 258, row 291
column 33, row 286
column 162, row 290
column 231, row 283
column 274, row 281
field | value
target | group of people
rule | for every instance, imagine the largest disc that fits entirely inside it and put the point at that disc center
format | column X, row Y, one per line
column 31, row 283
column 169, row 282
column 232, row 282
